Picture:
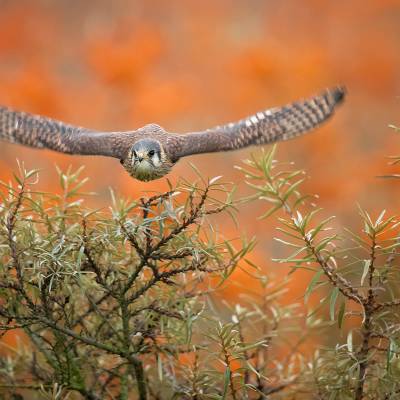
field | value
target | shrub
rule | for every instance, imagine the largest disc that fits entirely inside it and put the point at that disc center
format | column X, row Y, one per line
column 118, row 304
column 126, row 303
column 356, row 274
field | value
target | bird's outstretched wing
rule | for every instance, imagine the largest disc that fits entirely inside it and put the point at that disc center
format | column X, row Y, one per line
column 41, row 132
column 268, row 126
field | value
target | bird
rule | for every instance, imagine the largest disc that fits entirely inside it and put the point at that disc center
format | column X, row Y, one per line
column 150, row 152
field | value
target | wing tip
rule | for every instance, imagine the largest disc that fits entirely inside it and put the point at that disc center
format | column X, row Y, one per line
column 338, row 94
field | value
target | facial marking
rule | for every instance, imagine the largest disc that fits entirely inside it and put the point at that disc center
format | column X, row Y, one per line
column 147, row 160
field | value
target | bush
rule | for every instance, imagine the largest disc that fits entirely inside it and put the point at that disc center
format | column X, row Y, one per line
column 117, row 303
column 357, row 275
column 125, row 303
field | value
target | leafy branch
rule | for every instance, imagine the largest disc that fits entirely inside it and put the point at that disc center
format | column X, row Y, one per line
column 353, row 268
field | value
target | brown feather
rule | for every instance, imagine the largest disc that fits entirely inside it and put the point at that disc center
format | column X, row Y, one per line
column 42, row 132
column 264, row 127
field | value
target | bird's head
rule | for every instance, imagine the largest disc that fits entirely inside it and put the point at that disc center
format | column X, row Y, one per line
column 147, row 160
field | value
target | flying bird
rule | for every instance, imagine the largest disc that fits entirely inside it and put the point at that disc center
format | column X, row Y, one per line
column 150, row 152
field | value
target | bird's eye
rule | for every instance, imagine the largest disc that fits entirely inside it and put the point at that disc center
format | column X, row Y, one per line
column 151, row 153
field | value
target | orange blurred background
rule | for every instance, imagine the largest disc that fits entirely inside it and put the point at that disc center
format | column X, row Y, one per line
column 188, row 65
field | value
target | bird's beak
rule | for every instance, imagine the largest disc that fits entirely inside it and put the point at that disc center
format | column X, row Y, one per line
column 140, row 159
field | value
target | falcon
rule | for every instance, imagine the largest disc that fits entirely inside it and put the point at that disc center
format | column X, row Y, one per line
column 150, row 152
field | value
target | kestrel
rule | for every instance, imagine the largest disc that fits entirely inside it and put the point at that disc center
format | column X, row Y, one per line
column 150, row 152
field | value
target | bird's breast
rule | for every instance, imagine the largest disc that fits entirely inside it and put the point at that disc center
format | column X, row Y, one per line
column 145, row 171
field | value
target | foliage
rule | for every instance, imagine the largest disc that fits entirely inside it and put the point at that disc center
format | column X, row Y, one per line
column 356, row 275
column 114, row 304
column 126, row 303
